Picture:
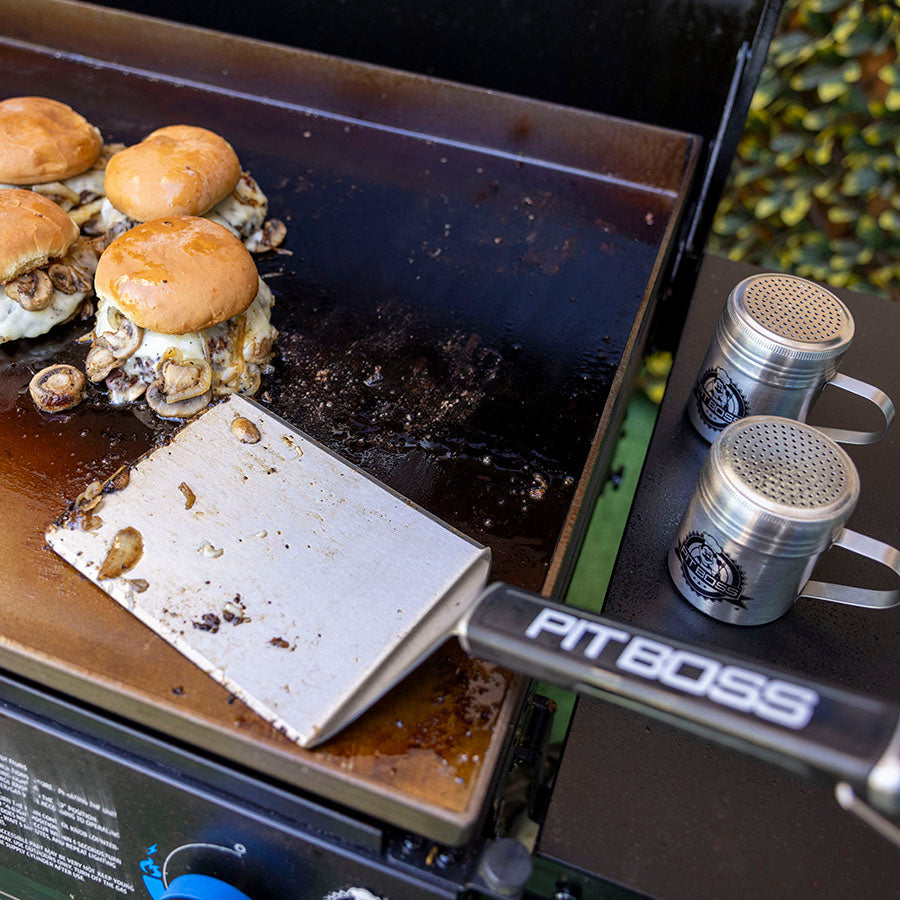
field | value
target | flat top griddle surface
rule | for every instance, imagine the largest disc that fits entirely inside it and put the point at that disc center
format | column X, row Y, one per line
column 451, row 319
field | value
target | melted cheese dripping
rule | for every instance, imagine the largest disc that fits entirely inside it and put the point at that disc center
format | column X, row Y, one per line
column 225, row 347
column 16, row 322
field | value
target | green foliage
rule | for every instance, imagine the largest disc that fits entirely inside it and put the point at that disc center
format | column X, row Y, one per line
column 815, row 187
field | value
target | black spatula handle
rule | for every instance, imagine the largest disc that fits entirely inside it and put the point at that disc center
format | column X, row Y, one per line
column 774, row 714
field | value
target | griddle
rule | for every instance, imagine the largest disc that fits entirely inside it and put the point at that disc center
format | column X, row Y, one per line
column 468, row 285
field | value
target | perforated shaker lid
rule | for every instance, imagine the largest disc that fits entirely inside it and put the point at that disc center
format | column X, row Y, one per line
column 789, row 316
column 784, row 479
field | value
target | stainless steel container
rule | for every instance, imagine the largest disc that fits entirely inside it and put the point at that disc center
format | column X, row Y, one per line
column 773, row 495
column 779, row 341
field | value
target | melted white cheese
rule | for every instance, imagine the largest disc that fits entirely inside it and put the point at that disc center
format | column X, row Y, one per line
column 109, row 215
column 244, row 210
column 16, row 322
column 230, row 372
column 67, row 193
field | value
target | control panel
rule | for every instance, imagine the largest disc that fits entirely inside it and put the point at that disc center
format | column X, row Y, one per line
column 84, row 818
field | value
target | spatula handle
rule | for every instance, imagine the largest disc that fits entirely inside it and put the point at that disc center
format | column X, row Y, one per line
column 774, row 714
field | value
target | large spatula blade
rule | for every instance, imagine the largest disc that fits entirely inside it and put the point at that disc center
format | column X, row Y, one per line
column 301, row 584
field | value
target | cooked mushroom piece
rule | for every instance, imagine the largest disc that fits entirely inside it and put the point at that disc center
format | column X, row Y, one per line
column 32, row 291
column 244, row 430
column 100, row 360
column 57, row 388
column 125, row 340
column 68, row 279
column 181, row 410
column 268, row 237
column 59, row 193
column 183, row 380
column 82, row 255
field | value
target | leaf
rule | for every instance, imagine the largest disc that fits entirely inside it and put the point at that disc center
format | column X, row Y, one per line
column 728, row 223
column 813, row 76
column 840, row 215
column 821, row 154
column 880, row 133
column 892, row 100
column 816, row 119
column 795, row 211
column 889, row 220
column 769, row 205
column 825, row 6
column 889, row 74
column 789, row 142
column 824, row 189
column 861, row 38
column 860, row 182
column 830, row 90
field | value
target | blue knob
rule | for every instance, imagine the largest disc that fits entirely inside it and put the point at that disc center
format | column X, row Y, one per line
column 201, row 887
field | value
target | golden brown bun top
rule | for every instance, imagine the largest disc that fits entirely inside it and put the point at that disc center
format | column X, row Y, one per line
column 44, row 140
column 177, row 274
column 179, row 170
column 33, row 229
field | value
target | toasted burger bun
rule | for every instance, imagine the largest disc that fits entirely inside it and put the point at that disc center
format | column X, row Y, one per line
column 175, row 171
column 33, row 229
column 44, row 140
column 177, row 275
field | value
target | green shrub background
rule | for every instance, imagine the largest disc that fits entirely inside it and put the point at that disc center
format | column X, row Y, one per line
column 815, row 187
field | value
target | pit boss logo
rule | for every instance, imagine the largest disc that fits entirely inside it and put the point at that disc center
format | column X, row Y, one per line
column 719, row 400
column 615, row 650
column 709, row 571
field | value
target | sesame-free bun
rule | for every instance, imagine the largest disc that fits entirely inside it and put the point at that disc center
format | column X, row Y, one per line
column 179, row 170
column 177, row 274
column 44, row 140
column 33, row 229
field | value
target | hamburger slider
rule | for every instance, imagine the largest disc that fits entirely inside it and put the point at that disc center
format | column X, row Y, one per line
column 182, row 170
column 49, row 148
column 182, row 315
column 45, row 268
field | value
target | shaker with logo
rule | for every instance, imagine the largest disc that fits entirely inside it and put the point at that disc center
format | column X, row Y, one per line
column 778, row 343
column 772, row 497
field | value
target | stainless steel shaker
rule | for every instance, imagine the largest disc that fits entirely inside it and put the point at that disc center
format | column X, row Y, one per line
column 778, row 343
column 773, row 495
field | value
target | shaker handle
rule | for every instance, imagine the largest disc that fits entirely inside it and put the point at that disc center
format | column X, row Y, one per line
column 873, row 395
column 853, row 596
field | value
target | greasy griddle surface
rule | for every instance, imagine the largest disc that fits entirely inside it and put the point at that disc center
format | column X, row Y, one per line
column 450, row 319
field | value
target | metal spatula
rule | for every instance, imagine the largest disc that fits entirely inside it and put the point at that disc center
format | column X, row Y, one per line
column 309, row 589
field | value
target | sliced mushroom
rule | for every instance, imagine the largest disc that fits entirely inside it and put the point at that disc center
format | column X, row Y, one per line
column 181, row 410
column 94, row 228
column 85, row 211
column 124, row 388
column 100, row 360
column 58, row 192
column 103, row 240
column 268, row 237
column 32, row 291
column 106, row 152
column 125, row 340
column 82, row 255
column 259, row 350
column 185, row 379
column 68, row 279
column 57, row 388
